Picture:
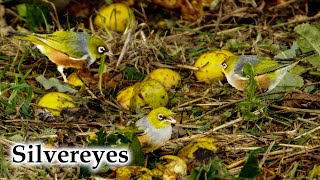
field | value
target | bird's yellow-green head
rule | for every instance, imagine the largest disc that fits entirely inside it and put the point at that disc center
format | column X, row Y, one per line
column 96, row 47
column 161, row 117
column 228, row 65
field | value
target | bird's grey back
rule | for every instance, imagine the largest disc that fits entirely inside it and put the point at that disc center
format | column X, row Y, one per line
column 252, row 59
column 82, row 43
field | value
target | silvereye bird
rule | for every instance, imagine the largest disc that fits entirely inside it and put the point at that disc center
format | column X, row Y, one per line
column 68, row 49
column 268, row 72
column 157, row 128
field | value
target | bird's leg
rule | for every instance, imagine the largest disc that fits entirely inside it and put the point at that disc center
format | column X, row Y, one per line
column 60, row 69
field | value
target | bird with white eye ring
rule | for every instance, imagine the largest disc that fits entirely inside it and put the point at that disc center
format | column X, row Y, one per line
column 224, row 65
column 67, row 48
column 157, row 128
column 101, row 50
column 268, row 72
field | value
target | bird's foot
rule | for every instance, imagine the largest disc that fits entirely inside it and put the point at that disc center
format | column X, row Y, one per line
column 64, row 78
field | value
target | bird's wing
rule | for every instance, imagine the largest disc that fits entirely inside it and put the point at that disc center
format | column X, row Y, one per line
column 268, row 66
column 71, row 43
column 26, row 37
column 143, row 123
column 145, row 131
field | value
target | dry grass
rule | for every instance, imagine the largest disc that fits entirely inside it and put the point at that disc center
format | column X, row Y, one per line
column 283, row 136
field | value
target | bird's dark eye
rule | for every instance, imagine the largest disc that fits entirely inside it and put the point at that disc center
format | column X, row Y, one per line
column 101, row 49
column 224, row 65
column 160, row 117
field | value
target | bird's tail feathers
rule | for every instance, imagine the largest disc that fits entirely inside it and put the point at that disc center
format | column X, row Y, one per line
column 26, row 37
column 17, row 35
column 299, row 57
column 306, row 54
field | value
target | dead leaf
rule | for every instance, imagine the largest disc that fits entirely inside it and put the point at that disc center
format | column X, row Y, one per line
column 197, row 152
column 190, row 9
column 53, row 82
column 302, row 100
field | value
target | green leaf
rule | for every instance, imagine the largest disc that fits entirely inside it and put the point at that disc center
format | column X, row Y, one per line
column 297, row 69
column 304, row 45
column 315, row 61
column 101, row 70
column 132, row 73
column 196, row 111
column 294, row 170
column 269, row 47
column 311, row 34
column 121, row 139
column 16, row 138
column 128, row 140
column 313, row 172
column 35, row 14
column 6, row 68
column 4, row 164
column 290, row 81
column 234, row 44
column 290, row 53
column 26, row 103
column 53, row 82
column 101, row 138
column 251, row 167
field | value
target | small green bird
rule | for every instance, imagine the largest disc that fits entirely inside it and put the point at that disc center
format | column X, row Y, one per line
column 268, row 72
column 157, row 128
column 67, row 48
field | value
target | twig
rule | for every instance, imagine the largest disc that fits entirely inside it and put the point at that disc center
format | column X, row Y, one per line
column 235, row 164
column 225, row 125
column 303, row 151
column 219, row 108
column 309, row 120
column 309, row 132
column 125, row 47
column 298, row 21
column 212, row 104
column 193, row 101
column 283, row 4
column 294, row 146
column 242, row 148
column 208, row 132
column 218, row 21
column 290, row 109
column 266, row 154
column 185, row 66
column 56, row 18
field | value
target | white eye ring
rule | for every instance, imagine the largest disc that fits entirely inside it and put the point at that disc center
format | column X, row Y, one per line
column 101, row 49
column 160, row 117
column 224, row 65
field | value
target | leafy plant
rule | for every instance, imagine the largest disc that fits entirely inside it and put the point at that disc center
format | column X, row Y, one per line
column 4, row 172
column 252, row 104
column 35, row 15
column 213, row 170
column 15, row 98
column 132, row 73
column 128, row 140
column 250, row 169
column 18, row 100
